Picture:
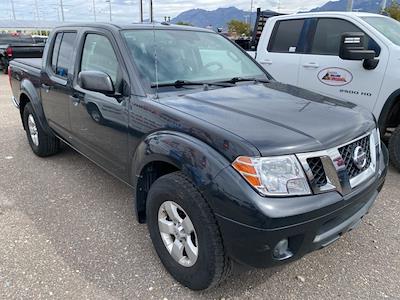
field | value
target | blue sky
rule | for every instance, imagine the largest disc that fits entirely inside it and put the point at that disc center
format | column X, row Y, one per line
column 126, row 10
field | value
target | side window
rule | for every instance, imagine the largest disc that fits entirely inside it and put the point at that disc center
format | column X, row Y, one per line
column 65, row 53
column 98, row 55
column 56, row 48
column 62, row 53
column 328, row 34
column 286, row 36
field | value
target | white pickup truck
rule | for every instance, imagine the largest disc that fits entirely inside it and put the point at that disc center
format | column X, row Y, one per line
column 346, row 55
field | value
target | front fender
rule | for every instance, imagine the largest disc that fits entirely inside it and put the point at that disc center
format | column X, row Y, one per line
column 28, row 89
column 197, row 160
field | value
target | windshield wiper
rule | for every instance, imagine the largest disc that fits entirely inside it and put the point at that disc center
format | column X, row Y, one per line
column 181, row 83
column 234, row 80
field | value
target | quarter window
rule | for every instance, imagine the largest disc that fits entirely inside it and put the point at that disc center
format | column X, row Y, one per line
column 286, row 36
column 328, row 34
column 98, row 55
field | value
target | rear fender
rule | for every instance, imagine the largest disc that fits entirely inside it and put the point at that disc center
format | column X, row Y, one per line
column 28, row 89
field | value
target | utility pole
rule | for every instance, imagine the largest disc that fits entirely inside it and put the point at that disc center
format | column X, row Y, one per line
column 13, row 9
column 37, row 10
column 151, row 10
column 62, row 10
column 109, row 6
column 251, row 13
column 383, row 5
column 141, row 10
column 94, row 10
column 349, row 5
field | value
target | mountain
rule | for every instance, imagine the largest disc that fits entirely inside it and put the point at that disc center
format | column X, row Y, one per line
column 215, row 18
column 373, row 6
column 221, row 16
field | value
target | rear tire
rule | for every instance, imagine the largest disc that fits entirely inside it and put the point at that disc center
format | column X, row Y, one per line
column 42, row 144
column 211, row 265
column 394, row 148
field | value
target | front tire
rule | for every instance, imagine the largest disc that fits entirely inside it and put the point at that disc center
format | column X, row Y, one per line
column 185, row 233
column 394, row 148
column 42, row 144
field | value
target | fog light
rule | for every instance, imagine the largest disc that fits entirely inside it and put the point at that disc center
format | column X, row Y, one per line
column 282, row 251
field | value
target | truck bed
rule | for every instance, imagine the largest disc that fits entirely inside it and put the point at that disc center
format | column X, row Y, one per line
column 35, row 63
column 29, row 68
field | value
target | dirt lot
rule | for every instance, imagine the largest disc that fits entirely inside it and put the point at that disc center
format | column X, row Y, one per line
column 67, row 232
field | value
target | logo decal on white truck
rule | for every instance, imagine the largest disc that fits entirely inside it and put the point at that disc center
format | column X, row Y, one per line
column 335, row 76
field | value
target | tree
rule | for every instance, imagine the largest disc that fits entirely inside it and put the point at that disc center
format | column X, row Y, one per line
column 184, row 23
column 239, row 27
column 394, row 11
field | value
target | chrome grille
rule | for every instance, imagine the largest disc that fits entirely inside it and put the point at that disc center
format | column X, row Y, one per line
column 347, row 154
column 317, row 169
column 334, row 169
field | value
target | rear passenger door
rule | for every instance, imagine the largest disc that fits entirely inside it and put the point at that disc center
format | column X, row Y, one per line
column 281, row 57
column 56, row 86
column 323, row 71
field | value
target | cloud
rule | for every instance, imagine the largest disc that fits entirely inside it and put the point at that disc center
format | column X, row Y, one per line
column 128, row 10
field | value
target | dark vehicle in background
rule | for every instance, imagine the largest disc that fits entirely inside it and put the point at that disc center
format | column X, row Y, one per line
column 19, row 46
column 226, row 164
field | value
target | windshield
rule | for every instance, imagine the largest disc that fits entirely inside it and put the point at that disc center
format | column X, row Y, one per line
column 389, row 27
column 187, row 56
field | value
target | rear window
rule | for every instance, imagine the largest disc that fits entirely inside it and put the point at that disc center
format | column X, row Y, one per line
column 62, row 53
column 286, row 36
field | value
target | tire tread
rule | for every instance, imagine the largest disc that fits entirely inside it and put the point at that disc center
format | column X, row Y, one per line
column 394, row 148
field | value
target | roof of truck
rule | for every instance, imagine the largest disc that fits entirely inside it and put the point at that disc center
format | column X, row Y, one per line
column 330, row 13
column 123, row 26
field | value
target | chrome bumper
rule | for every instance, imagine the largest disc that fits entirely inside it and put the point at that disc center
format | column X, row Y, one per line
column 15, row 102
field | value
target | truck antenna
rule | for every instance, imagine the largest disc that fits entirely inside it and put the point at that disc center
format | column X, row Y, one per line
column 155, row 59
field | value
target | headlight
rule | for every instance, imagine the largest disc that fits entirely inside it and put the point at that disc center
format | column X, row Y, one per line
column 273, row 176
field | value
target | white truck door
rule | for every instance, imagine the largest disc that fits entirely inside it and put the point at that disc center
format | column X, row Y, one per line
column 279, row 54
column 323, row 71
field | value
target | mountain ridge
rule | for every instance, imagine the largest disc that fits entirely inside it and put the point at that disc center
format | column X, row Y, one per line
column 221, row 16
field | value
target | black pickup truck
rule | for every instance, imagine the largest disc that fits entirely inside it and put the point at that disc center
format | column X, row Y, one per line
column 18, row 46
column 226, row 164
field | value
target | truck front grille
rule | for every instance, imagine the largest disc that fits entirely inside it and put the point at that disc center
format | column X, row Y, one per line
column 337, row 169
column 347, row 154
column 318, row 171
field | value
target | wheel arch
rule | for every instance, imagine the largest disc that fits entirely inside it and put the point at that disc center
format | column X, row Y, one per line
column 30, row 94
column 390, row 113
column 165, row 152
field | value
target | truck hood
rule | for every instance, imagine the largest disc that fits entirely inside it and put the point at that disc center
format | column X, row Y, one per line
column 277, row 118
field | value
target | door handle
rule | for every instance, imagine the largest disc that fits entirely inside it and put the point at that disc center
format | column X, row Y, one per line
column 311, row 65
column 75, row 100
column 46, row 87
column 266, row 62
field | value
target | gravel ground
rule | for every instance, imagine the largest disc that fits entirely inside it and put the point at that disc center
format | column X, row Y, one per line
column 67, row 232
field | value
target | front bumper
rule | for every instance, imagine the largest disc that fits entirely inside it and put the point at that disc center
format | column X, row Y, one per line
column 252, row 226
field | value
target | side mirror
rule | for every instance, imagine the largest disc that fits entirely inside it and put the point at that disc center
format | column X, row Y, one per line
column 96, row 81
column 352, row 47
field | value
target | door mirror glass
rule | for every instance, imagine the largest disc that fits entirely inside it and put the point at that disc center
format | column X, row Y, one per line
column 352, row 47
column 96, row 81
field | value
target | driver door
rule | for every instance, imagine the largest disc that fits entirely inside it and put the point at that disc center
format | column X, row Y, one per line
column 99, row 122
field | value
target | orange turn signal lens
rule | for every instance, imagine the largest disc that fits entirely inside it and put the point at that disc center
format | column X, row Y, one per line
column 244, row 166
